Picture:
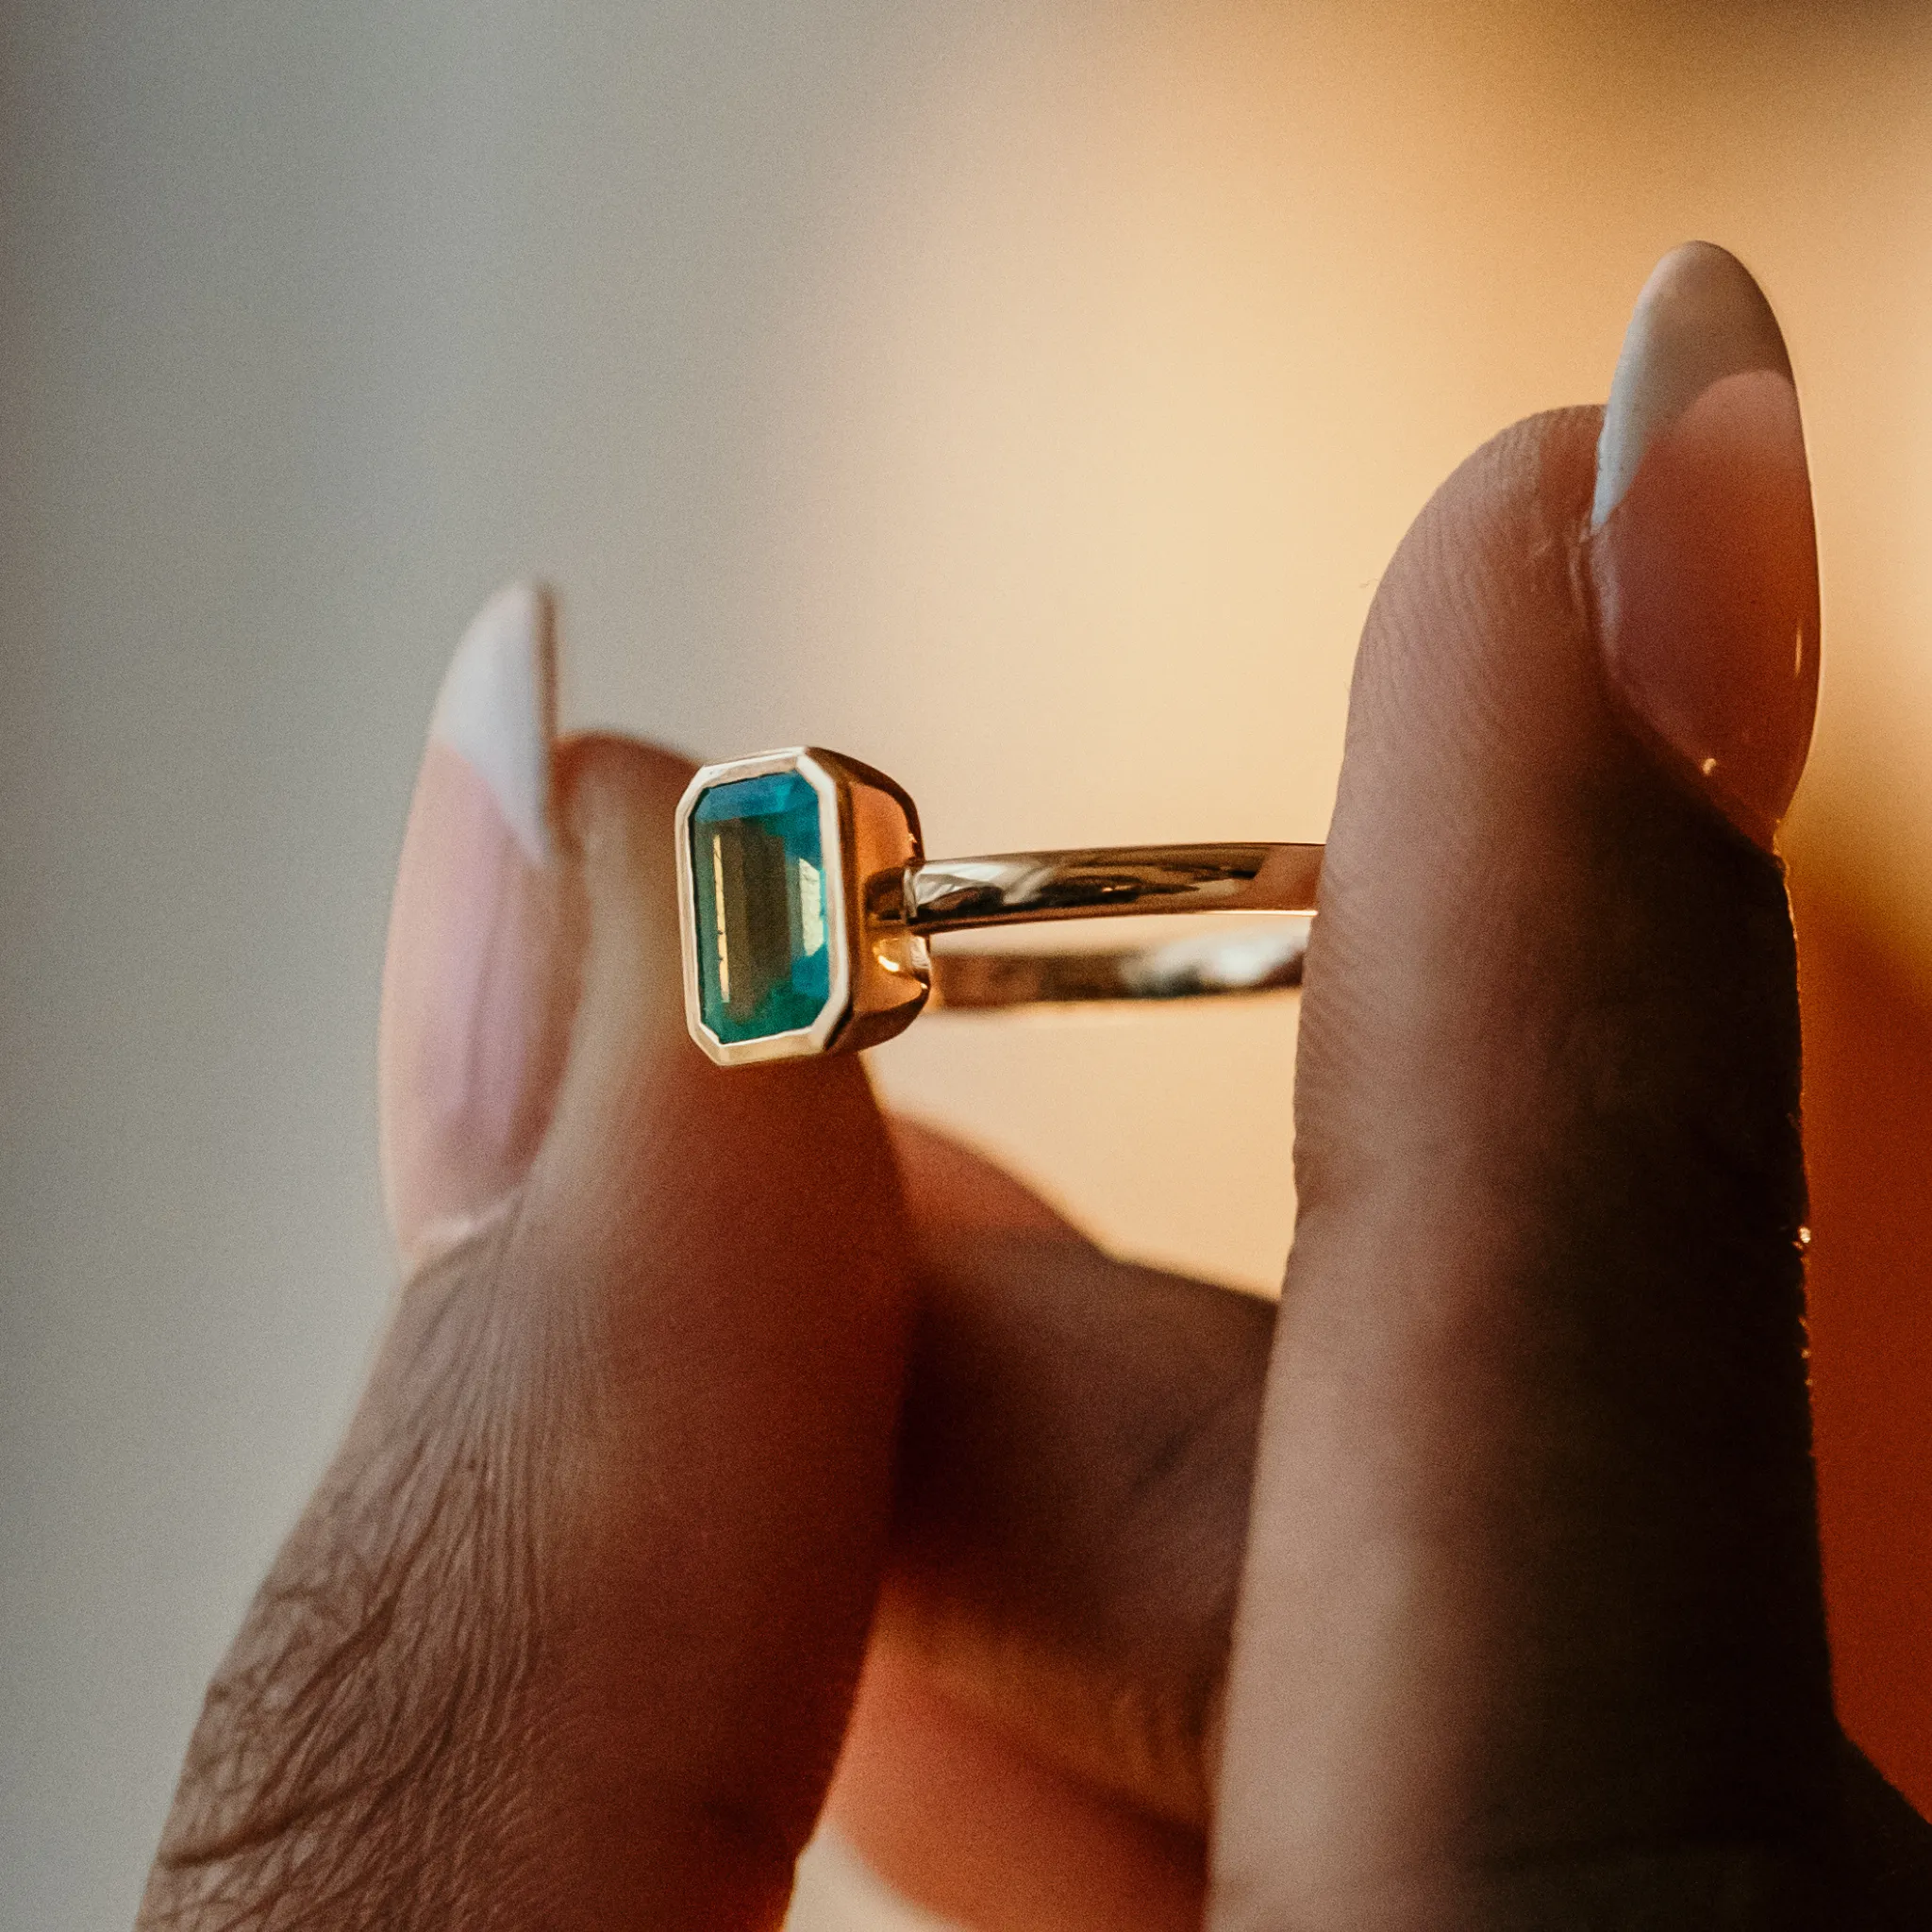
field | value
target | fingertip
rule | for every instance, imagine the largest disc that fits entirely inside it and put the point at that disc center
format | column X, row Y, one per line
column 610, row 784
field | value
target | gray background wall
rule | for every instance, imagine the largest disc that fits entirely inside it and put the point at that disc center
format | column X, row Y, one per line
column 1021, row 397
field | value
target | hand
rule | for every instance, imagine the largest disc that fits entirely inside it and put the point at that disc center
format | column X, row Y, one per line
column 1529, row 1629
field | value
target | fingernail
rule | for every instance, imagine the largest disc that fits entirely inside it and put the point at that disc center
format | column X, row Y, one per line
column 478, row 983
column 1703, row 557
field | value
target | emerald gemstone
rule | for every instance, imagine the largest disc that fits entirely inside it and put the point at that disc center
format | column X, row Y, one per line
column 757, row 863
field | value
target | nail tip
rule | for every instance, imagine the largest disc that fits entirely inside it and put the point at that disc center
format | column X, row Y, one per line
column 497, row 706
column 1709, row 560
column 1719, row 299
column 1701, row 317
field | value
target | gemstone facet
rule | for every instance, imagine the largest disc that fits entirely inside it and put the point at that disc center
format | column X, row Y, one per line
column 757, row 871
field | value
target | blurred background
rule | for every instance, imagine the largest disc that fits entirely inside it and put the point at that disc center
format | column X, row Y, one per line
column 1023, row 398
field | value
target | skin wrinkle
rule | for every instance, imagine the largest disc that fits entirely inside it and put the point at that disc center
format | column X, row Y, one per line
column 369, row 1747
column 1198, row 1453
column 1107, row 1566
column 391, row 1760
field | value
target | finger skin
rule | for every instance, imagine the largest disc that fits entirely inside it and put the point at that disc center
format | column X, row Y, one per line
column 1071, row 1519
column 568, row 1635
column 953, row 1784
column 1027, row 1753
column 1072, row 1490
column 1531, row 1621
column 983, row 1833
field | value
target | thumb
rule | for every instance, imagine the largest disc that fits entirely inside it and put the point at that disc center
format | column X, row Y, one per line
column 699, row 1276
column 568, row 1635
column 1531, row 1630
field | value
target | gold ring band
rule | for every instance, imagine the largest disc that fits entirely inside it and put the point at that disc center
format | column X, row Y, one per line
column 1184, row 969
column 808, row 909
column 1020, row 888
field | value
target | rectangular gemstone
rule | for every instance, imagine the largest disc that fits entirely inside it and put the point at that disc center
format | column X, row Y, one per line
column 757, row 863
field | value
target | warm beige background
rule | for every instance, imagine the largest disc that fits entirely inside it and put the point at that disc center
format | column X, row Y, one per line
column 1021, row 397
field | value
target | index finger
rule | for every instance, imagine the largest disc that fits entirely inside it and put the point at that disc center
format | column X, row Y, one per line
column 1531, row 1628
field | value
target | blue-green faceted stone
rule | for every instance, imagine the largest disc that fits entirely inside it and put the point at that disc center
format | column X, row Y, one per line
column 757, row 863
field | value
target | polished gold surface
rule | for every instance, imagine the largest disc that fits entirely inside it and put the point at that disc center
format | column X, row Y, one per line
column 1264, row 960
column 1022, row 887
column 1031, row 887
column 891, row 970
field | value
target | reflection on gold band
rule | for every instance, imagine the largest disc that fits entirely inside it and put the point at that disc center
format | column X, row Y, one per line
column 1264, row 960
column 1022, row 887
column 1028, row 888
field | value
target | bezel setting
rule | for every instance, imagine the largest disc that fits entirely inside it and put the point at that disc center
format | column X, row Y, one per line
column 879, row 970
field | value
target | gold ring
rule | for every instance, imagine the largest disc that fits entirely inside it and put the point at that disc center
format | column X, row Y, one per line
column 808, row 905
